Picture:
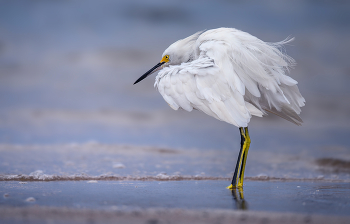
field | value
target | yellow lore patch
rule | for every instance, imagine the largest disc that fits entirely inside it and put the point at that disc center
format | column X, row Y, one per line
column 165, row 59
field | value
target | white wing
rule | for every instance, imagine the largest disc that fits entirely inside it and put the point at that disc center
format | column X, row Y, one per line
column 198, row 84
column 235, row 75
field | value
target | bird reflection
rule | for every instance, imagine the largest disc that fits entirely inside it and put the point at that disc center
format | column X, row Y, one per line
column 238, row 197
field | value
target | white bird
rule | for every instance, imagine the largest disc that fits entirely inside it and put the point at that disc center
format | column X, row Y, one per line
column 231, row 76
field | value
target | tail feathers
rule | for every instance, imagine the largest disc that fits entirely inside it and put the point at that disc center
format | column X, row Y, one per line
column 289, row 115
column 285, row 105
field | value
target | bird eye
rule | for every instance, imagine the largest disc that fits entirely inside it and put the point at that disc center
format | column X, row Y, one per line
column 165, row 59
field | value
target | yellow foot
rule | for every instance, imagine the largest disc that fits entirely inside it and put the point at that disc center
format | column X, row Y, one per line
column 235, row 187
column 230, row 187
column 239, row 187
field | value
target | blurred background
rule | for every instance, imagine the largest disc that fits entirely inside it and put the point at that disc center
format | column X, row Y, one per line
column 67, row 70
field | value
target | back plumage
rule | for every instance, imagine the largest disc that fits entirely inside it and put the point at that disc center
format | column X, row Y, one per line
column 230, row 75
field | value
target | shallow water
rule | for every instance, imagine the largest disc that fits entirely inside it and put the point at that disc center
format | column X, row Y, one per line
column 303, row 197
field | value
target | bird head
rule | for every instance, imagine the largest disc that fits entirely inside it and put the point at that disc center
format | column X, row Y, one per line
column 179, row 52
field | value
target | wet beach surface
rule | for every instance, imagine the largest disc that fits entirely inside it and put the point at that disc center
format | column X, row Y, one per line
column 78, row 140
column 303, row 197
column 119, row 180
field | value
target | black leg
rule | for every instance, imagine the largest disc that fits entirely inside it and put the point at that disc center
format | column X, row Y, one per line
column 244, row 159
column 234, row 179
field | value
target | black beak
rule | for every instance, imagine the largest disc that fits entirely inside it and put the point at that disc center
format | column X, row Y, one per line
column 149, row 72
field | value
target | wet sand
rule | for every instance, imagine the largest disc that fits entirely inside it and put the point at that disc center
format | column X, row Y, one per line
column 96, row 161
column 156, row 216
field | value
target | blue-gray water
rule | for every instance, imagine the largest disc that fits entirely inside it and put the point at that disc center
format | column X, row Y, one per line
column 309, row 198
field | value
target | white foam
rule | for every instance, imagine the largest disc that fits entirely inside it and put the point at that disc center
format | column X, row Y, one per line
column 92, row 181
column 263, row 176
column 39, row 175
column 162, row 176
column 30, row 199
column 118, row 166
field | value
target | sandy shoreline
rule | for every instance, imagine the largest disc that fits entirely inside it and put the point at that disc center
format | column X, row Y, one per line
column 156, row 215
column 159, row 177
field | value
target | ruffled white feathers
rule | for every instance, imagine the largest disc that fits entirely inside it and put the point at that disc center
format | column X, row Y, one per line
column 230, row 75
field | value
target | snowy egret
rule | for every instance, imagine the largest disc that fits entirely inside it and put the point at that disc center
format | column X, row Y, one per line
column 229, row 75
